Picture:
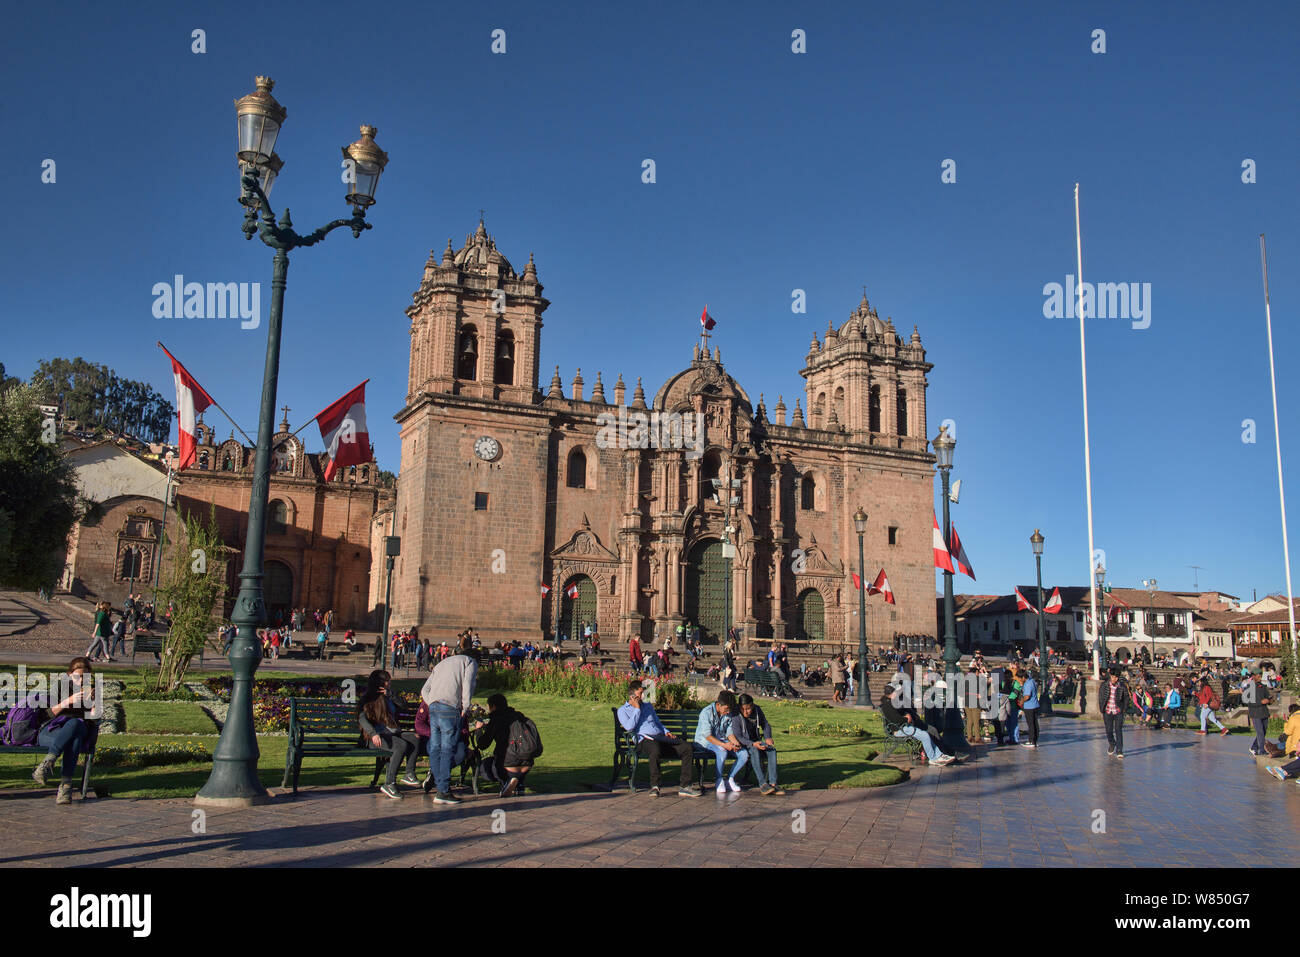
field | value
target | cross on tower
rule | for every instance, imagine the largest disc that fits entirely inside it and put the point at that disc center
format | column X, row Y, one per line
column 285, row 410
column 704, row 333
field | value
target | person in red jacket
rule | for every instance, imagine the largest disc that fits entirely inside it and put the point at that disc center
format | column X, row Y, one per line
column 634, row 654
column 1207, row 699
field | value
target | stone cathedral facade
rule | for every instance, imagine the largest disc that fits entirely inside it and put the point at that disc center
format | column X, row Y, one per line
column 506, row 489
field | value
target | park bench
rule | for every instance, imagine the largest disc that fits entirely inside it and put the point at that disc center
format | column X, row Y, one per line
column 680, row 722
column 152, row 643
column 765, row 682
column 325, row 727
column 34, row 749
column 891, row 744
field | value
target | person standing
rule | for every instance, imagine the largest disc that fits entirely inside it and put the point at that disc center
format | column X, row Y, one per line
column 1111, row 699
column 102, row 632
column 119, row 638
column 1257, row 697
column 1029, row 704
column 1208, row 703
column 635, row 658
column 1015, row 689
column 448, row 692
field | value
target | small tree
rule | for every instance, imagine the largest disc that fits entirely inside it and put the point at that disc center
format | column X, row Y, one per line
column 195, row 583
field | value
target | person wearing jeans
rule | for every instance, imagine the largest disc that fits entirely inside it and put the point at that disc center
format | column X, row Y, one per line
column 751, row 729
column 1029, row 697
column 713, row 731
column 119, row 639
column 906, row 729
column 448, row 692
column 1112, row 698
column 1257, row 697
column 1014, row 696
column 1203, row 698
column 64, row 729
column 639, row 719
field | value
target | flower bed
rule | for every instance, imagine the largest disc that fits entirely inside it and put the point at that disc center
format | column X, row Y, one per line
column 585, row 682
column 827, row 729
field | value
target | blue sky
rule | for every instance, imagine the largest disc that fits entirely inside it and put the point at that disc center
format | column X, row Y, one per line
column 775, row 171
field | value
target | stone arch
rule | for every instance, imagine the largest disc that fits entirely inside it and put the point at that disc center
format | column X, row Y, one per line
column 467, row 353
column 809, row 619
column 873, row 408
column 504, row 374
column 579, row 469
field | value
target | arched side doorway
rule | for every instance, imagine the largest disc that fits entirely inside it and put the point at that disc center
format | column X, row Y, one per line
column 810, row 616
column 574, row 613
column 705, row 601
column 277, row 590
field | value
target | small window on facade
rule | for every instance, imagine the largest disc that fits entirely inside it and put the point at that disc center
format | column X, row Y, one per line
column 893, row 534
column 480, row 501
column 1017, row 624
column 809, row 494
column 279, row 517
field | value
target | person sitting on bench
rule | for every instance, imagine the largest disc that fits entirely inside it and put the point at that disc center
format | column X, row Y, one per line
column 62, row 728
column 496, row 730
column 654, row 741
column 714, row 732
column 755, row 735
column 906, row 729
column 377, row 715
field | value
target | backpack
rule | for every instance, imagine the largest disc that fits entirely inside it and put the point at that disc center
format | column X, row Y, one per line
column 1214, row 702
column 22, row 723
column 524, row 744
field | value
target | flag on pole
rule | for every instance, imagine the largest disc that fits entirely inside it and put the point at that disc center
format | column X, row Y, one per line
column 1053, row 606
column 707, row 320
column 1022, row 604
column 857, row 582
column 942, row 559
column 546, row 589
column 572, row 590
column 959, row 554
column 881, row 587
column 343, row 430
column 191, row 399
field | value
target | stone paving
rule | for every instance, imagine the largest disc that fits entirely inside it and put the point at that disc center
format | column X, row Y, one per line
column 1175, row 800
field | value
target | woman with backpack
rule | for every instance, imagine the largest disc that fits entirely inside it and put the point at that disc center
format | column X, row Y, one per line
column 61, row 729
column 377, row 715
column 102, row 633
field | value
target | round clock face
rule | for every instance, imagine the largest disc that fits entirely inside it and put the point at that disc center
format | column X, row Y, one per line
column 487, row 448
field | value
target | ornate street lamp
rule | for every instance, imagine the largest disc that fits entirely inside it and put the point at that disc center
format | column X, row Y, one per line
column 863, row 698
column 1099, row 628
column 1036, row 540
column 953, row 730
column 234, row 780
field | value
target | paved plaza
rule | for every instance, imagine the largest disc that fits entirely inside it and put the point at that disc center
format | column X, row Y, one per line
column 1176, row 800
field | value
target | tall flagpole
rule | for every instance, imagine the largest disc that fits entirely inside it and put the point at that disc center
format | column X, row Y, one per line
column 1087, row 449
column 1277, row 435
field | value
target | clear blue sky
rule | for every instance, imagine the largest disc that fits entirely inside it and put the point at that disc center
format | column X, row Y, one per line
column 775, row 171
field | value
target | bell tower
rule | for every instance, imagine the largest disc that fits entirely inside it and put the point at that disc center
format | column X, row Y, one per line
column 864, row 380
column 476, row 325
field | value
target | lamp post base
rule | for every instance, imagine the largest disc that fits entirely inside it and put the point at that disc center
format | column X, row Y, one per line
column 233, row 802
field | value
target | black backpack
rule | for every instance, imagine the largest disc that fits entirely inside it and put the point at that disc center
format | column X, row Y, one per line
column 524, row 745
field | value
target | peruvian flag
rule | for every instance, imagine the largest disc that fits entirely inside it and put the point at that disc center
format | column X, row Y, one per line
column 343, row 430
column 190, row 400
column 959, row 555
column 1022, row 604
column 942, row 558
column 1053, row 606
column 881, row 587
column 706, row 320
column 857, row 582
column 572, row 590
column 546, row 589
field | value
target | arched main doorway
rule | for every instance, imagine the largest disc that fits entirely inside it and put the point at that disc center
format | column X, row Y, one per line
column 574, row 613
column 705, row 601
column 809, row 616
column 277, row 590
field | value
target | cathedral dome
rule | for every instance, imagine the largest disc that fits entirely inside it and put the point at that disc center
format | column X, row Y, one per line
column 481, row 249
column 703, row 375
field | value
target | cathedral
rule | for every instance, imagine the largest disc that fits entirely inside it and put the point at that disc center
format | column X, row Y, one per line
column 518, row 517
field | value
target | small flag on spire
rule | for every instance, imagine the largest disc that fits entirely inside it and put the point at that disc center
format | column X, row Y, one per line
column 707, row 320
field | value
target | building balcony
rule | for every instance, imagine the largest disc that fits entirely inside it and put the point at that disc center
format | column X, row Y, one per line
column 1167, row 631
column 1117, row 630
column 1257, row 649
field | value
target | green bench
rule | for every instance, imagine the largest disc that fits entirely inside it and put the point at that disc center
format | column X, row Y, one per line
column 325, row 727
column 763, row 681
column 152, row 643
column 35, row 750
column 891, row 744
column 680, row 722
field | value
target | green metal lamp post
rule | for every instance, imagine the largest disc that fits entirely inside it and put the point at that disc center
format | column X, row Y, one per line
column 234, row 781
column 863, row 698
column 953, row 729
column 1103, row 654
column 1036, row 540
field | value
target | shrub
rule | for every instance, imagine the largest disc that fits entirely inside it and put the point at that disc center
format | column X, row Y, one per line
column 146, row 755
column 826, row 729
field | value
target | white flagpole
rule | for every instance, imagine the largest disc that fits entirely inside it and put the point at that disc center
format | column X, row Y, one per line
column 1087, row 449
column 1277, row 435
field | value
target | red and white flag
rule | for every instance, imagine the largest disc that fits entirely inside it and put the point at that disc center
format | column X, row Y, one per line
column 343, row 430
column 191, row 399
column 959, row 555
column 857, row 582
column 1022, row 604
column 1053, row 606
column 942, row 559
column 707, row 320
column 546, row 589
column 572, row 590
column 881, row 587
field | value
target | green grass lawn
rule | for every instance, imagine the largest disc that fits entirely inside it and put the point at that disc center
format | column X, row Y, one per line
column 164, row 717
column 578, row 737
